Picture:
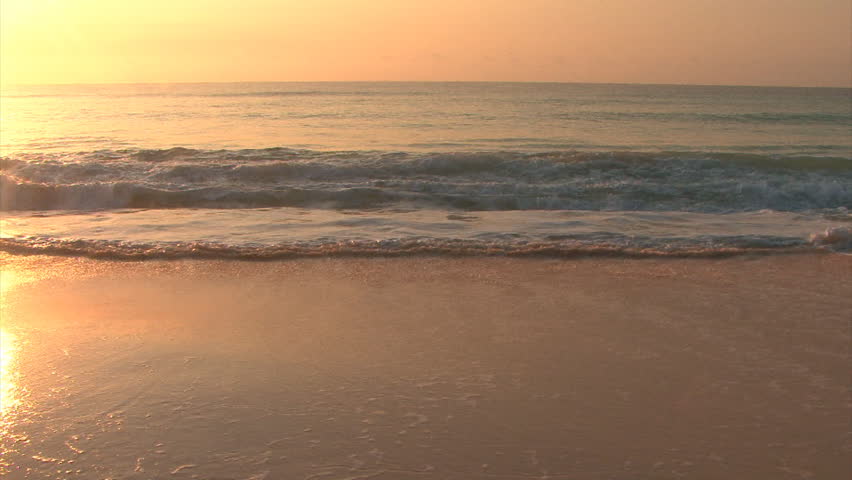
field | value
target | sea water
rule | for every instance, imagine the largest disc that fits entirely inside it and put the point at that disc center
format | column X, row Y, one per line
column 270, row 170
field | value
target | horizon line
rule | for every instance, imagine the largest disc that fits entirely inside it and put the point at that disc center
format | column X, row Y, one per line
column 60, row 84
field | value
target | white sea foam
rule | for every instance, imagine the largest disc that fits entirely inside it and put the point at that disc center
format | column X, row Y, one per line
column 839, row 238
column 294, row 232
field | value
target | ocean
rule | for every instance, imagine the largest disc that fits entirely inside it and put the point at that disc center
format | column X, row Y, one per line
column 135, row 345
column 279, row 170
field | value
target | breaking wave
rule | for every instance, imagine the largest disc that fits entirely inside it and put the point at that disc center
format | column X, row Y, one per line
column 188, row 178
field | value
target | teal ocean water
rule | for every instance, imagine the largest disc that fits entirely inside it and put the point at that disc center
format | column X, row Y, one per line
column 269, row 170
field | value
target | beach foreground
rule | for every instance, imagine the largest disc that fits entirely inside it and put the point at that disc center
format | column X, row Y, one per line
column 427, row 368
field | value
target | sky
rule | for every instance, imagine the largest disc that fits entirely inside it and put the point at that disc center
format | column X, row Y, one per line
column 714, row 42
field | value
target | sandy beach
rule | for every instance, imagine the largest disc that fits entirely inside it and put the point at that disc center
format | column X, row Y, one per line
column 445, row 240
column 427, row 368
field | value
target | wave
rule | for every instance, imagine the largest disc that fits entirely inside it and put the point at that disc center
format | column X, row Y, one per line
column 97, row 196
column 494, row 160
column 837, row 238
column 677, row 248
column 713, row 197
column 191, row 178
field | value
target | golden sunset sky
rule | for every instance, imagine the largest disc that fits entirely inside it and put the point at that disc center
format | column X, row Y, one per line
column 745, row 42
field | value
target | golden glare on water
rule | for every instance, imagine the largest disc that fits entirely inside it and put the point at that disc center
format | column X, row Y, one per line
column 9, row 397
column 8, row 348
column 11, row 391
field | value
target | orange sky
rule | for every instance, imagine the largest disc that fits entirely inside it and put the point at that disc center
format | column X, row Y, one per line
column 752, row 42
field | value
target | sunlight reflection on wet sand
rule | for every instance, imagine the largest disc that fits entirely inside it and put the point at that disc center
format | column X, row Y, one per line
column 8, row 388
column 424, row 368
column 10, row 394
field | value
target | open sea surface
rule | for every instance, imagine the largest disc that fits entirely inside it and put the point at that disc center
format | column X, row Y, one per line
column 277, row 170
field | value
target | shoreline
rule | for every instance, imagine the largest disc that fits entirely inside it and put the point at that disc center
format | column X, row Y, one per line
column 427, row 367
column 404, row 249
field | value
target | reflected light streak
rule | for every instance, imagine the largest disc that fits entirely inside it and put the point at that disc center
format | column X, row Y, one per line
column 9, row 397
column 5, row 232
column 13, row 394
column 10, row 389
column 8, row 279
column 8, row 347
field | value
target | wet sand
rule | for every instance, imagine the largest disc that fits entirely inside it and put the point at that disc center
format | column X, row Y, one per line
column 427, row 368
